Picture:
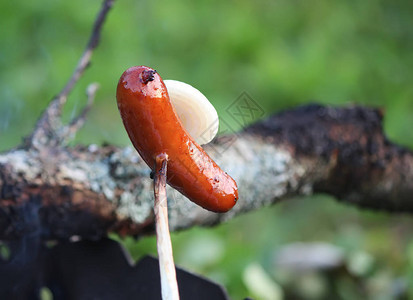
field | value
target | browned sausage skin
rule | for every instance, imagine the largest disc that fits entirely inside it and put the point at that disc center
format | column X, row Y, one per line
column 154, row 128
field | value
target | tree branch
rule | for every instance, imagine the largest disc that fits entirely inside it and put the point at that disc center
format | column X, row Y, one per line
column 69, row 131
column 312, row 149
column 48, row 129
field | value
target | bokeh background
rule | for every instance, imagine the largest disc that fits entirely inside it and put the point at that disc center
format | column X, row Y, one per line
column 283, row 54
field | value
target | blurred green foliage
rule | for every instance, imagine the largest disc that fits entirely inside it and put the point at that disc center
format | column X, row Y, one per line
column 283, row 54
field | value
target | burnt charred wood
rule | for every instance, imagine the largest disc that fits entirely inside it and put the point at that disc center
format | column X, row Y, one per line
column 59, row 192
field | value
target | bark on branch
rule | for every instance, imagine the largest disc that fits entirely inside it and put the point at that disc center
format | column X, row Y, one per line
column 89, row 190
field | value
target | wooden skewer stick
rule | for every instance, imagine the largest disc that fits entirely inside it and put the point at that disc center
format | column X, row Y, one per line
column 169, row 285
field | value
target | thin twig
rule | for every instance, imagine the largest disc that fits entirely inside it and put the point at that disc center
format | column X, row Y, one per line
column 84, row 60
column 169, row 284
column 49, row 123
column 70, row 130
